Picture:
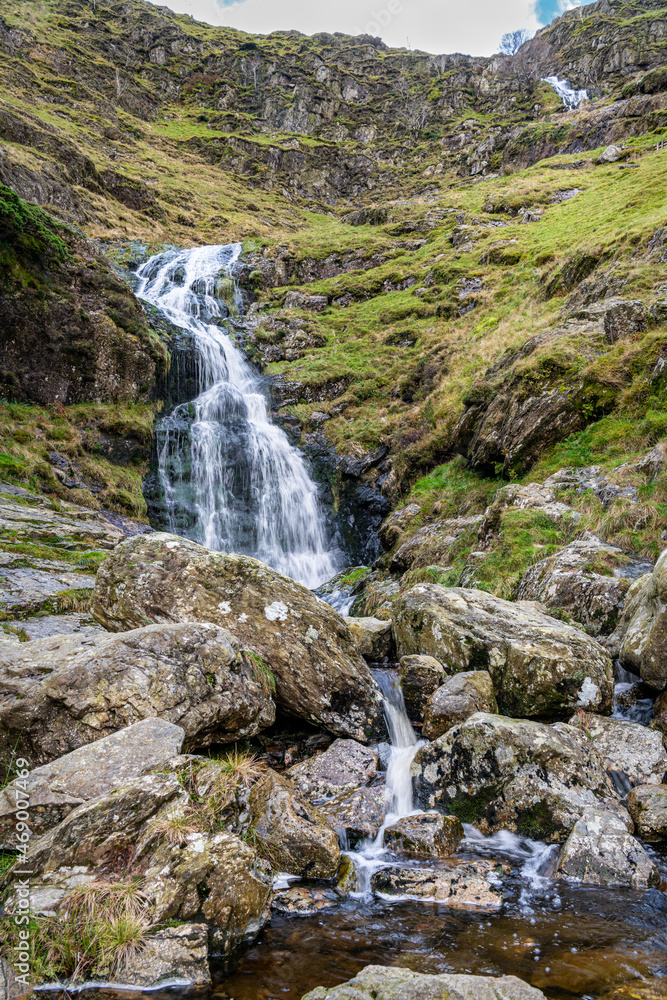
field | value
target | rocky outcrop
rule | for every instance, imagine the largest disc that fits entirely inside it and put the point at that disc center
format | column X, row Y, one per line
column 425, row 835
column 293, row 833
column 456, row 700
column 601, row 851
column 431, row 545
column 420, row 676
column 648, row 808
column 512, row 774
column 539, row 666
column 642, row 630
column 581, row 580
column 55, row 789
column 344, row 767
column 65, row 691
column 292, row 636
column 377, row 982
column 627, row 748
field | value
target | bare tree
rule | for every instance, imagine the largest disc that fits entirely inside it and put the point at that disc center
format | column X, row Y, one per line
column 512, row 41
column 415, row 109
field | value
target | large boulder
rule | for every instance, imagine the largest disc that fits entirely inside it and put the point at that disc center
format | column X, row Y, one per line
column 539, row 666
column 648, row 808
column 420, row 677
column 456, row 700
column 431, row 545
column 627, row 747
column 581, row 580
column 65, row 691
column 512, row 774
column 305, row 644
column 295, row 835
column 168, row 955
column 356, row 815
column 642, row 630
column 346, row 765
column 377, row 982
column 468, row 885
column 372, row 636
column 55, row 789
column 601, row 851
column 425, row 834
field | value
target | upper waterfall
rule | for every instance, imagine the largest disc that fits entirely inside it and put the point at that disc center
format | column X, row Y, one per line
column 230, row 479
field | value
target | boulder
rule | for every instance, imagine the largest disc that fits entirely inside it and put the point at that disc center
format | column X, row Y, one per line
column 456, row 700
column 64, row 691
column 177, row 956
column 357, row 815
column 294, row 833
column 427, row 834
column 539, row 666
column 378, row 982
column 601, row 851
column 372, row 636
column 531, row 496
column 612, row 154
column 642, row 630
column 346, row 765
column 648, row 808
column 420, row 677
column 581, row 580
column 512, row 774
column 305, row 644
column 55, row 789
column 627, row 747
column 467, row 885
column 305, row 901
column 432, row 544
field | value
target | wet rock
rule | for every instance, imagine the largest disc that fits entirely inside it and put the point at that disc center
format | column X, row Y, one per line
column 639, row 989
column 420, row 676
column 580, row 580
column 538, row 665
column 294, row 833
column 345, row 766
column 468, row 885
column 357, row 815
column 501, row 773
column 456, row 700
column 318, row 671
column 601, row 851
column 627, row 747
column 648, row 808
column 642, row 630
column 372, row 636
column 174, row 955
column 305, row 901
column 426, row 834
column 63, row 692
column 55, row 789
column 377, row 982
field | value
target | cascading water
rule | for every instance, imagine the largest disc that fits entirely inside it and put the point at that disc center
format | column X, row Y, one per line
column 571, row 98
column 229, row 478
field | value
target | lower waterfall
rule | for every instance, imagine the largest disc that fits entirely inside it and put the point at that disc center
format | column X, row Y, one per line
column 229, row 478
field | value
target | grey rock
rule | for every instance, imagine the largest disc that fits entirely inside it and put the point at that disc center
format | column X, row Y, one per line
column 648, row 808
column 175, row 955
column 372, row 636
column 467, row 885
column 641, row 633
column 431, row 544
column 55, row 789
column 356, row 815
column 345, row 766
column 627, row 747
column 612, row 154
column 456, row 700
column 601, row 851
column 377, row 982
column 425, row 834
column 26, row 590
column 421, row 675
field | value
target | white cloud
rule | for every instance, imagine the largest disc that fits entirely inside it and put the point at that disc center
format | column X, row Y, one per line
column 474, row 27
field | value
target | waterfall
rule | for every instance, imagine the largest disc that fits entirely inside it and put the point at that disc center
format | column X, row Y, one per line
column 570, row 98
column 229, row 478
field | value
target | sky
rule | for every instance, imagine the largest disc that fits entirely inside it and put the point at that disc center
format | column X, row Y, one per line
column 474, row 27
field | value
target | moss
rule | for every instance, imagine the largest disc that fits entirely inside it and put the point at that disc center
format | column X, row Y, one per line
column 537, row 823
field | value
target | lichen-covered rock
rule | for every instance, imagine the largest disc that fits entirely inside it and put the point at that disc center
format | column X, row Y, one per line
column 512, row 774
column 425, row 834
column 55, row 789
column 431, row 544
column 63, row 692
column 356, row 815
column 580, row 580
column 642, row 630
column 377, row 982
column 634, row 750
column 601, row 851
column 174, row 955
column 539, row 666
column 531, row 496
column 420, row 676
column 304, row 901
column 456, row 700
column 648, row 808
column 318, row 671
column 346, row 765
column 467, row 885
column 11, row 987
column 295, row 833
column 372, row 636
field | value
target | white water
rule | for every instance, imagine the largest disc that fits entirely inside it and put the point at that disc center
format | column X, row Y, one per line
column 570, row 98
column 229, row 477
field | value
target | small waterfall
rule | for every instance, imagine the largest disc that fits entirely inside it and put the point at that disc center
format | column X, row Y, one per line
column 570, row 98
column 229, row 478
